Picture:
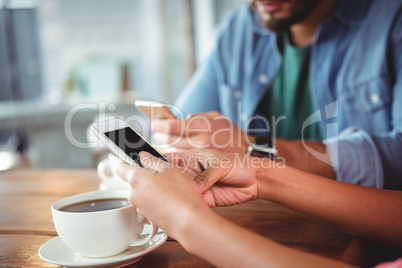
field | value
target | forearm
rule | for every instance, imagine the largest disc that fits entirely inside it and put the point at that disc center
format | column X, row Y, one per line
column 225, row 244
column 296, row 155
column 362, row 211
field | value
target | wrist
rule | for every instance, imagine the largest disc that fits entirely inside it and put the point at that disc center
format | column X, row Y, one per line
column 270, row 176
column 287, row 149
column 194, row 219
column 263, row 180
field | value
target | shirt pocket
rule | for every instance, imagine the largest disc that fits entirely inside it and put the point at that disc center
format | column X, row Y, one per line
column 368, row 103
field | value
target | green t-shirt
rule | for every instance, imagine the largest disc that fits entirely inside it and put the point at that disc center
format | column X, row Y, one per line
column 290, row 95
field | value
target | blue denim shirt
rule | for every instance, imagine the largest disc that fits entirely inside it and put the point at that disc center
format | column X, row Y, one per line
column 356, row 83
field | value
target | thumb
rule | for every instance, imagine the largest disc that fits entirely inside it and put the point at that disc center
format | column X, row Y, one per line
column 124, row 170
column 206, row 179
column 152, row 162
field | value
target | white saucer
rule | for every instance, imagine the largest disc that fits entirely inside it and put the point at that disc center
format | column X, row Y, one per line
column 56, row 252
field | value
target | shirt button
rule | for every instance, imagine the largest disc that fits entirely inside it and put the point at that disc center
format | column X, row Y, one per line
column 236, row 94
column 263, row 79
column 244, row 117
column 375, row 99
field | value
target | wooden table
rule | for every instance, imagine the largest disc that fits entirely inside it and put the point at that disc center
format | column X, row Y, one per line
column 26, row 223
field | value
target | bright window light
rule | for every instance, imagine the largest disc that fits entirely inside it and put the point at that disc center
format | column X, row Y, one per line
column 7, row 160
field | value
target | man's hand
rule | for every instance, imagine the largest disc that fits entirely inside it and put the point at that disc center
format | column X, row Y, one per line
column 209, row 130
column 224, row 179
column 214, row 131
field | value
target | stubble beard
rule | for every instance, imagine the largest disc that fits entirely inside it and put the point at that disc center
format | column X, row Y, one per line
column 298, row 13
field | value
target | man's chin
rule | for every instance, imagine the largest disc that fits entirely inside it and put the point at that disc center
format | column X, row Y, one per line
column 277, row 26
column 280, row 21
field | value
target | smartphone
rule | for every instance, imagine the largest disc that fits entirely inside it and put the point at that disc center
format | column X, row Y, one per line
column 154, row 110
column 123, row 141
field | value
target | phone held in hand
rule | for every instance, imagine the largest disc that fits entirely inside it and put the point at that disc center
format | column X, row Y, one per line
column 123, row 141
column 154, row 110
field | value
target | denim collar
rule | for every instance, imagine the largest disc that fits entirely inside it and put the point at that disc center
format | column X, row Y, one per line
column 257, row 27
column 352, row 12
column 348, row 12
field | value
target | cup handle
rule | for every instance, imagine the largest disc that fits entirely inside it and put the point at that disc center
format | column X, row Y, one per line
column 103, row 170
column 144, row 240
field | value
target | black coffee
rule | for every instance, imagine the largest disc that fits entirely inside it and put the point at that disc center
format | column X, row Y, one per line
column 96, row 205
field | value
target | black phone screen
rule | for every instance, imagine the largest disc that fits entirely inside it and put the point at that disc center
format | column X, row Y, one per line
column 132, row 144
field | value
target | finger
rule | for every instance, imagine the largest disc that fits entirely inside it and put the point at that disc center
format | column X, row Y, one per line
column 170, row 140
column 177, row 158
column 209, row 198
column 182, row 142
column 154, row 163
column 196, row 123
column 209, row 157
column 186, row 161
column 125, row 171
column 131, row 174
column 170, row 126
column 189, row 116
column 180, row 127
column 166, row 150
column 198, row 159
column 206, row 179
column 211, row 114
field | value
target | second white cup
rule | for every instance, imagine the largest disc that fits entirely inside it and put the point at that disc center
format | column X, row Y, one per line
column 107, row 173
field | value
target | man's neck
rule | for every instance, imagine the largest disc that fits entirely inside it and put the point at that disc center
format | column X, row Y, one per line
column 302, row 34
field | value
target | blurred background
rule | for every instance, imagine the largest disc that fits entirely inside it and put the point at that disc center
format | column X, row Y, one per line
column 70, row 62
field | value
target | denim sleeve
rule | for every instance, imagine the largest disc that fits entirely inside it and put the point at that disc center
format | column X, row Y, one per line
column 390, row 145
column 201, row 93
column 374, row 161
column 356, row 158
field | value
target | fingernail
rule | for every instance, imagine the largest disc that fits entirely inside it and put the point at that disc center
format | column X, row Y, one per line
column 145, row 155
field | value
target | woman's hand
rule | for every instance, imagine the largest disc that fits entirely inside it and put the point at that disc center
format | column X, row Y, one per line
column 161, row 192
column 224, row 179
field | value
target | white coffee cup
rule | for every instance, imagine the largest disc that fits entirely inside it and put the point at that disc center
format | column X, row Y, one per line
column 103, row 233
column 107, row 173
